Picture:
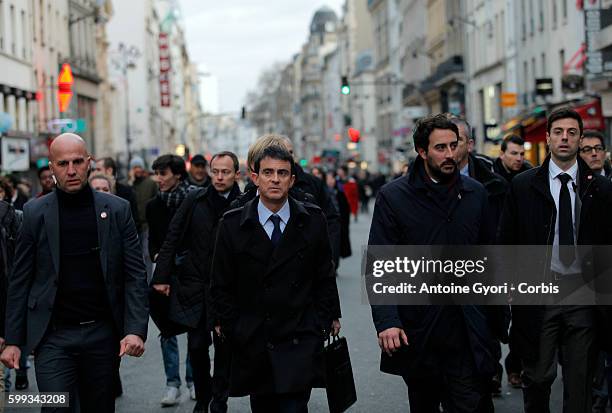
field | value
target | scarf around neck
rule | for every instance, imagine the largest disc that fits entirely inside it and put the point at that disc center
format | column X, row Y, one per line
column 174, row 198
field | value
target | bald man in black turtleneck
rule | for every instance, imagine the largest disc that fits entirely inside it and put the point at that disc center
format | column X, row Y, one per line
column 78, row 293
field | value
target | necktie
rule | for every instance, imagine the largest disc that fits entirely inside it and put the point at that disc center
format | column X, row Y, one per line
column 566, row 224
column 276, row 233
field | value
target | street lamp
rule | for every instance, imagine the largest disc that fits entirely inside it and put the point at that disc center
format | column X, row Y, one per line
column 126, row 59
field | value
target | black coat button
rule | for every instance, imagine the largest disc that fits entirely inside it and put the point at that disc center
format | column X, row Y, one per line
column 270, row 346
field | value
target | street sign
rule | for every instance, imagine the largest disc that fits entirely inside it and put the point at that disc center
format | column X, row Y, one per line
column 544, row 86
column 57, row 126
column 508, row 99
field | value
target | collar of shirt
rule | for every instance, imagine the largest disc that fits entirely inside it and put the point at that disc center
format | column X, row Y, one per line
column 554, row 170
column 264, row 213
column 465, row 171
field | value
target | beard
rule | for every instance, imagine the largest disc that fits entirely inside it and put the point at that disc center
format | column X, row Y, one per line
column 438, row 173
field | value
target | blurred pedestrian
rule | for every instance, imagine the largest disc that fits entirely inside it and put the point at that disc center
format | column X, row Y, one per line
column 345, row 214
column 263, row 250
column 171, row 177
column 103, row 183
column 108, row 167
column 192, row 236
column 78, row 325
column 348, row 185
column 18, row 199
column 511, row 160
column 47, row 183
column 198, row 172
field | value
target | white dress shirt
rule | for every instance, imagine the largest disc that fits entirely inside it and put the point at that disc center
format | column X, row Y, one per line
column 264, row 217
column 555, row 190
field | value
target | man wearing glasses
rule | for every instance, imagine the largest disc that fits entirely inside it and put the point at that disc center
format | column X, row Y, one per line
column 593, row 151
column 77, row 295
column 273, row 289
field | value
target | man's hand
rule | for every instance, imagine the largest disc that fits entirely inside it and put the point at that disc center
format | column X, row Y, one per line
column 391, row 340
column 218, row 331
column 2, row 343
column 10, row 357
column 131, row 345
column 162, row 289
column 335, row 328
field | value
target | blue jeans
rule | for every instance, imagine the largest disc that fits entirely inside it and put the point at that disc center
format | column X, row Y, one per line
column 172, row 360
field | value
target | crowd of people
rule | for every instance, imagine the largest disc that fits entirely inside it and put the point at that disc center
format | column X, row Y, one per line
column 248, row 265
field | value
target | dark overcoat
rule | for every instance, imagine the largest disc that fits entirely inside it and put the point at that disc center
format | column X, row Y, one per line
column 405, row 213
column 275, row 306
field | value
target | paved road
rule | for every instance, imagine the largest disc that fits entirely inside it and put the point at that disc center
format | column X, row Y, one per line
column 143, row 379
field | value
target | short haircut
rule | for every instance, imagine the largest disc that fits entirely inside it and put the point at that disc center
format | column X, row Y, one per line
column 564, row 113
column 13, row 180
column 590, row 133
column 231, row 155
column 109, row 162
column 425, row 126
column 517, row 140
column 458, row 120
column 109, row 179
column 6, row 186
column 174, row 162
column 277, row 152
column 262, row 142
column 43, row 169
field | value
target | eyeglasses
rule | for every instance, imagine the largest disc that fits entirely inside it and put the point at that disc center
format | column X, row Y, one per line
column 589, row 149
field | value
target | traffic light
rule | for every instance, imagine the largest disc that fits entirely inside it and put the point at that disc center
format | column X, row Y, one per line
column 64, row 87
column 345, row 89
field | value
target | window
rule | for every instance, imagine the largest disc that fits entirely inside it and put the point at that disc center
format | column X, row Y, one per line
column 525, row 83
column 541, row 23
column 42, row 22
column 543, row 65
column 554, row 14
column 523, row 20
column 531, row 18
column 24, row 34
column 13, row 36
column 50, row 28
column 561, row 59
column 1, row 25
column 564, row 8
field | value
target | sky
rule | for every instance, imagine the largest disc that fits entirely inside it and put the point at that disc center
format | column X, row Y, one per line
column 235, row 40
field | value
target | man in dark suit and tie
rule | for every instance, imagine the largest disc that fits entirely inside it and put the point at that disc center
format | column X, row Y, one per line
column 77, row 295
column 273, row 290
column 563, row 204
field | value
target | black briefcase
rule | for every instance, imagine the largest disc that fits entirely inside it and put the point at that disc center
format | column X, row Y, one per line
column 341, row 393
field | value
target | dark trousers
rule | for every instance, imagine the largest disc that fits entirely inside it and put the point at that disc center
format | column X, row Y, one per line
column 82, row 360
column 221, row 375
column 456, row 392
column 215, row 389
column 198, row 341
column 567, row 336
column 513, row 361
column 280, row 403
column 451, row 379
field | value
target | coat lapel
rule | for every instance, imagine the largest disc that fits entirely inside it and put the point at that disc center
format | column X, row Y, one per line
column 292, row 240
column 103, row 217
column 52, row 228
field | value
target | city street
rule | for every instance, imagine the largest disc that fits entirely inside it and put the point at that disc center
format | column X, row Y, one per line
column 143, row 379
